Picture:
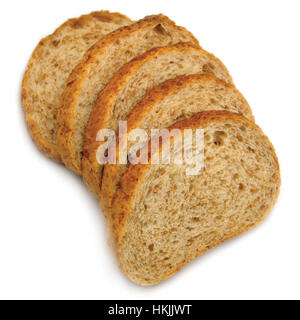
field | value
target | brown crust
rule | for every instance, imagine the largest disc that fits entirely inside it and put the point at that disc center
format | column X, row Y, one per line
column 131, row 180
column 91, row 170
column 70, row 95
column 45, row 146
column 154, row 96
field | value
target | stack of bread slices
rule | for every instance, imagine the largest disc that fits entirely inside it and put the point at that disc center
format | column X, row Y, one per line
column 102, row 68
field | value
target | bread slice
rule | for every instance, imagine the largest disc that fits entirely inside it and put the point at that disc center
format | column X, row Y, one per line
column 129, row 85
column 49, row 67
column 167, row 103
column 95, row 71
column 162, row 218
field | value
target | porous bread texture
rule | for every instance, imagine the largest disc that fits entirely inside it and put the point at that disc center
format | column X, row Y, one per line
column 128, row 86
column 171, row 101
column 162, row 218
column 50, row 66
column 95, row 71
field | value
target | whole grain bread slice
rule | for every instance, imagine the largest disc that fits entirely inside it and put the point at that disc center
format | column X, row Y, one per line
column 50, row 66
column 128, row 86
column 97, row 68
column 164, row 105
column 163, row 218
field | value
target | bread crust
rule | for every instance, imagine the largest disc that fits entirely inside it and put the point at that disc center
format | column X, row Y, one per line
column 102, row 111
column 43, row 145
column 131, row 180
column 75, row 81
column 111, row 171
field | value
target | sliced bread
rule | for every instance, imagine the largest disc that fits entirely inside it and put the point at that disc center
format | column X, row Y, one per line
column 129, row 85
column 97, row 68
column 50, row 66
column 162, row 218
column 167, row 103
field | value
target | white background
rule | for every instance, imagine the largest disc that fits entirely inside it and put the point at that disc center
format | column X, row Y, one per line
column 52, row 236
